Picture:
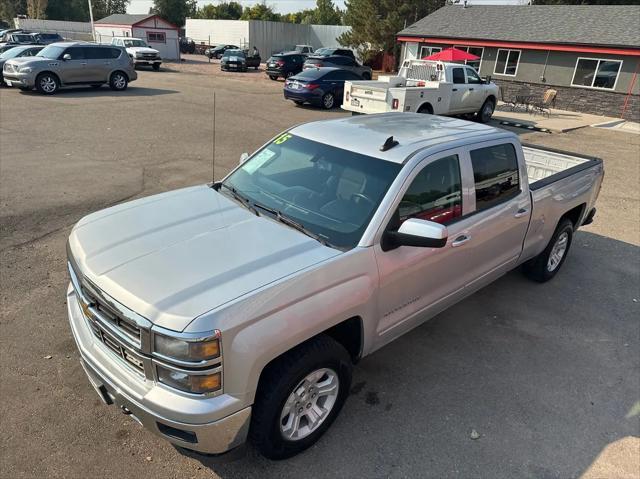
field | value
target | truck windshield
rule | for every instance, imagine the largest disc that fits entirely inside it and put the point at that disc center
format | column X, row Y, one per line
column 134, row 43
column 331, row 192
column 51, row 51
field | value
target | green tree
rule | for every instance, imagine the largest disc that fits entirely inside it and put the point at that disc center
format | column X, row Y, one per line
column 174, row 11
column 222, row 11
column 375, row 23
column 10, row 9
column 260, row 11
column 70, row 10
column 104, row 8
column 326, row 13
column 36, row 8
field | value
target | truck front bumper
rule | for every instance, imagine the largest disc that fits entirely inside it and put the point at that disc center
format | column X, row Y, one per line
column 22, row 80
column 154, row 407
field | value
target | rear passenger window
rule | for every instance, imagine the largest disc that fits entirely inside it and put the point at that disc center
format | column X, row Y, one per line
column 458, row 75
column 77, row 53
column 435, row 194
column 495, row 172
column 96, row 53
column 115, row 53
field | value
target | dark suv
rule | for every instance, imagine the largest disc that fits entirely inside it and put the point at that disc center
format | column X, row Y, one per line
column 285, row 65
column 327, row 52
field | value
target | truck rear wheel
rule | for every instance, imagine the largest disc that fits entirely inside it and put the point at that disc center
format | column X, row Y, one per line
column 545, row 266
column 299, row 396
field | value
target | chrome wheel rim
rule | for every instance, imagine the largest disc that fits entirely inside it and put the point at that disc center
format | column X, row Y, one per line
column 309, row 405
column 328, row 101
column 48, row 84
column 558, row 251
column 119, row 81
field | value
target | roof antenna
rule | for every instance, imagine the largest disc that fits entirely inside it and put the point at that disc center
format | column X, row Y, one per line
column 213, row 149
column 389, row 143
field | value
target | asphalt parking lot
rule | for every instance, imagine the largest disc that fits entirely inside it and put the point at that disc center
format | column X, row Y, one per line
column 548, row 375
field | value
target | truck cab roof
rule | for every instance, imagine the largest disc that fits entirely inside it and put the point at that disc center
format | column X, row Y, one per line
column 366, row 134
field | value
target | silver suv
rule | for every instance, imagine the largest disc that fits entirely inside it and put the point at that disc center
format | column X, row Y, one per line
column 71, row 63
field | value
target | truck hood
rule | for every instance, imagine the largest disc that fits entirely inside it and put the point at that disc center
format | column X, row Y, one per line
column 174, row 256
column 141, row 50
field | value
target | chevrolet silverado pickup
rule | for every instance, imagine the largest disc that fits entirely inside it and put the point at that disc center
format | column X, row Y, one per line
column 425, row 86
column 236, row 310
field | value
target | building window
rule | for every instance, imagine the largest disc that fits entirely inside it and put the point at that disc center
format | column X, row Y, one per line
column 477, row 51
column 156, row 37
column 428, row 51
column 596, row 73
column 507, row 62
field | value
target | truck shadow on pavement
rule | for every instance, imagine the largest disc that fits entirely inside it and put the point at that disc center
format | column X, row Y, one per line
column 105, row 91
column 519, row 380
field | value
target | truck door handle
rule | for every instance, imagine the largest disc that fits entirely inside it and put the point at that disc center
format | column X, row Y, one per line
column 521, row 212
column 83, row 63
column 460, row 240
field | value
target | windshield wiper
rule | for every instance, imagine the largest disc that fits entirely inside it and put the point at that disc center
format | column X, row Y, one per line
column 292, row 223
column 241, row 199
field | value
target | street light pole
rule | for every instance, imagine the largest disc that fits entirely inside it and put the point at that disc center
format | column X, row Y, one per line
column 93, row 30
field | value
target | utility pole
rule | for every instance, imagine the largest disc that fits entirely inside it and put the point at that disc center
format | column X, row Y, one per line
column 93, row 30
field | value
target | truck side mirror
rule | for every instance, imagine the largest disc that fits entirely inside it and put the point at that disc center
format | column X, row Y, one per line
column 244, row 157
column 417, row 233
column 66, row 57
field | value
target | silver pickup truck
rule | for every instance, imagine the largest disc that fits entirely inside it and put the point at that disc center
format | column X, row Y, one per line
column 236, row 310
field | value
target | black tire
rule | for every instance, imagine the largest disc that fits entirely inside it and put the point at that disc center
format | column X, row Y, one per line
column 273, row 77
column 426, row 109
column 539, row 268
column 486, row 111
column 156, row 67
column 298, row 102
column 328, row 101
column 280, row 379
column 47, row 83
column 118, row 81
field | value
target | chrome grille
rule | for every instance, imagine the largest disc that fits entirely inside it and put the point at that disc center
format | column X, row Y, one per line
column 131, row 358
column 126, row 327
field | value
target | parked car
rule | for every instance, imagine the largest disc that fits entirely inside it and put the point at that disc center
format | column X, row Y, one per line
column 238, row 60
column 46, row 38
column 18, row 38
column 5, row 47
column 139, row 51
column 237, row 309
column 65, row 64
column 339, row 61
column 187, row 45
column 17, row 52
column 284, row 65
column 425, row 86
column 4, row 35
column 218, row 50
column 318, row 86
column 330, row 51
column 303, row 49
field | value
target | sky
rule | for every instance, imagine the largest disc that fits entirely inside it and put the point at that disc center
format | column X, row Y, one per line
column 280, row 6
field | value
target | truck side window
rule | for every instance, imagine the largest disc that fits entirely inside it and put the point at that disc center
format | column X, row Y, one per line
column 472, row 76
column 435, row 193
column 458, row 75
column 495, row 172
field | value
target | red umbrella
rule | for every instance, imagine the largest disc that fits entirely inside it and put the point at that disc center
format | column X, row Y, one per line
column 452, row 55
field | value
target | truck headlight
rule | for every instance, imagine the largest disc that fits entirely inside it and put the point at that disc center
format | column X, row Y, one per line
column 26, row 70
column 190, row 381
column 196, row 350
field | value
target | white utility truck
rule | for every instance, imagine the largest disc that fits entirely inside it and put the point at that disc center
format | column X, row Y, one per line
column 424, row 86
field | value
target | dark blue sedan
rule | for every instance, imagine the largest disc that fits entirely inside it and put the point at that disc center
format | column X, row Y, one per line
column 319, row 86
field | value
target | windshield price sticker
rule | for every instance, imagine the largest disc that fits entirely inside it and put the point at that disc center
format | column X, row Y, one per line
column 258, row 160
column 281, row 139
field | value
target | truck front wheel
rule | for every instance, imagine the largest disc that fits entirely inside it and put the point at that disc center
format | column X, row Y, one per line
column 486, row 112
column 545, row 266
column 299, row 396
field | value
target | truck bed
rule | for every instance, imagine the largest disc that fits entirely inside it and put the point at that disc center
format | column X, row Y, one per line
column 545, row 165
